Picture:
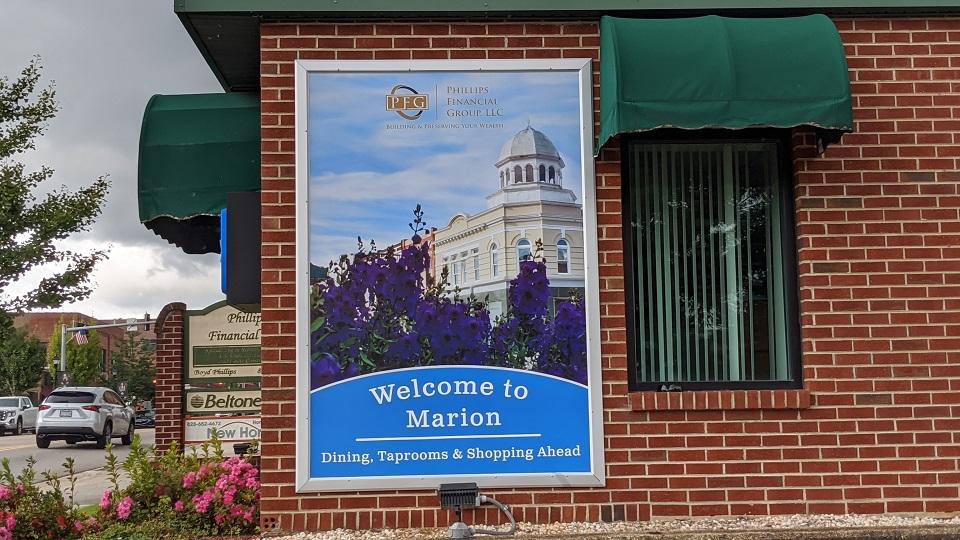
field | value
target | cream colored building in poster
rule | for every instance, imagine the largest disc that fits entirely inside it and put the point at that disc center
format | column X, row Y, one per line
column 482, row 252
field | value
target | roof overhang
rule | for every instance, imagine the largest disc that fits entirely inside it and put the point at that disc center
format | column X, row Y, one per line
column 227, row 31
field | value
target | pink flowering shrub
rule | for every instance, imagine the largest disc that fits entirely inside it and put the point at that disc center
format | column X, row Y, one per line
column 203, row 492
column 27, row 513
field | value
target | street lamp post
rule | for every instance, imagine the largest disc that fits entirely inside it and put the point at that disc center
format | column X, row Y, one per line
column 146, row 322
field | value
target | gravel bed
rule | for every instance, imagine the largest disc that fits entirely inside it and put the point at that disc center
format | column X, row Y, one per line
column 745, row 524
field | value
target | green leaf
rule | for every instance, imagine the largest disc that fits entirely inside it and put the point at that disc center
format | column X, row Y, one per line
column 366, row 359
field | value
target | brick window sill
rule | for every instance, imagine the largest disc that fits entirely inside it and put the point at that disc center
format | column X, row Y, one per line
column 720, row 400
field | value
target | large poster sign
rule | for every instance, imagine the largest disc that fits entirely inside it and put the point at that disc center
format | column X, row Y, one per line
column 447, row 275
column 223, row 344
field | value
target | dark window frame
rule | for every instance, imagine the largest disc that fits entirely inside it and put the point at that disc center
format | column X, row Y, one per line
column 781, row 137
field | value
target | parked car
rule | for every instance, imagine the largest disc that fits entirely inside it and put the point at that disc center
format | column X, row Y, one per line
column 146, row 418
column 17, row 414
column 84, row 413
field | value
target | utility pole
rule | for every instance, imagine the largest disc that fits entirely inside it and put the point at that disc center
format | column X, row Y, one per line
column 145, row 323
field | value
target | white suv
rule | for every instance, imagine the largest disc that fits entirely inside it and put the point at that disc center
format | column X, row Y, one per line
column 17, row 413
column 84, row 413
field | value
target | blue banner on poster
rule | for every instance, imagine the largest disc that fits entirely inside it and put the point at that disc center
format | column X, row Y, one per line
column 448, row 420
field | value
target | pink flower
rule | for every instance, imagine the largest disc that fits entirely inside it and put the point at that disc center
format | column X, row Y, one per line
column 105, row 501
column 124, row 508
column 248, row 516
column 78, row 526
column 4, row 493
column 228, row 495
column 11, row 521
column 5, row 534
column 189, row 479
column 222, row 482
column 202, row 502
column 178, row 506
column 20, row 488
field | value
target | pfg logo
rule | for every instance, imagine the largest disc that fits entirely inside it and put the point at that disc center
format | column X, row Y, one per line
column 403, row 99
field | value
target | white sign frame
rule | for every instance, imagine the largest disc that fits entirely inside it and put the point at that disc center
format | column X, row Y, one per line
column 596, row 478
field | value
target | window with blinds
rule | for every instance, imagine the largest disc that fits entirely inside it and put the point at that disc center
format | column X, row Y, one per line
column 712, row 254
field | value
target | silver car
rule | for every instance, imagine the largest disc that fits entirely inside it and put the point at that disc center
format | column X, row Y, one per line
column 17, row 414
column 84, row 413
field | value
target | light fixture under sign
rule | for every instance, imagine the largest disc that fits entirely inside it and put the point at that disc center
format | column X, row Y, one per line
column 466, row 495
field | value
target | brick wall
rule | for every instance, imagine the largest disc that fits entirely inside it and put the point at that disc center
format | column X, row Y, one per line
column 877, row 427
column 169, row 361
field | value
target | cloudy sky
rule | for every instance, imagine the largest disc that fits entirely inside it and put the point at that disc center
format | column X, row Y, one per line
column 369, row 167
column 107, row 57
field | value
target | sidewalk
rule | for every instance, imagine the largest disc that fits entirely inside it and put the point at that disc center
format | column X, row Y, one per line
column 790, row 527
column 90, row 485
column 946, row 532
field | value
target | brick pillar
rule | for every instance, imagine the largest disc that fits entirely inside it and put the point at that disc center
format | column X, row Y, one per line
column 169, row 388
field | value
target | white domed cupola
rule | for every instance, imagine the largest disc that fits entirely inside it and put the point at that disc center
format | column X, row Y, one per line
column 529, row 157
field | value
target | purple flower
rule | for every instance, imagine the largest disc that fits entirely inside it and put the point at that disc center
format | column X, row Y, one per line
column 530, row 290
column 324, row 370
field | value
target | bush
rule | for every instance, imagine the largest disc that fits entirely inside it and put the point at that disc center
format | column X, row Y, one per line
column 199, row 491
column 146, row 530
column 171, row 496
column 27, row 513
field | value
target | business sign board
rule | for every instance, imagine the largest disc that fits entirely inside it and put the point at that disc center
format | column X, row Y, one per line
column 447, row 290
column 198, row 429
column 223, row 344
column 222, row 401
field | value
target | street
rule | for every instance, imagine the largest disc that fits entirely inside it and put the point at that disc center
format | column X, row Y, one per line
column 89, row 461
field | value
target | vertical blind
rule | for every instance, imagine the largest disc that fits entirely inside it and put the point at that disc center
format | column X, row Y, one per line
column 709, row 279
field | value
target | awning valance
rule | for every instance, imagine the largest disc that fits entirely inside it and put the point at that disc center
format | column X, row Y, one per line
column 720, row 72
column 194, row 149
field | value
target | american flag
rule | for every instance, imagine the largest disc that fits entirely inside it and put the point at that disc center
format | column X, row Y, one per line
column 81, row 337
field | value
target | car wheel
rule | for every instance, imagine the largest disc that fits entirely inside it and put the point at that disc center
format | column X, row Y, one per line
column 103, row 439
column 43, row 442
column 19, row 428
column 128, row 438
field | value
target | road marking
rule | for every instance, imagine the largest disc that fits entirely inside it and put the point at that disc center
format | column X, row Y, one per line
column 9, row 448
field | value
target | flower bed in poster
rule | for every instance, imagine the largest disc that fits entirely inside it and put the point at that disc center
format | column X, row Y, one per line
column 381, row 310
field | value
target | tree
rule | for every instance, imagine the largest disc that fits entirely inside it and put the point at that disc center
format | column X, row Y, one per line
column 31, row 228
column 83, row 360
column 21, row 359
column 133, row 364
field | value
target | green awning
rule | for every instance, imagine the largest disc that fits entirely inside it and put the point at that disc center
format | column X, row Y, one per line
column 194, row 149
column 720, row 72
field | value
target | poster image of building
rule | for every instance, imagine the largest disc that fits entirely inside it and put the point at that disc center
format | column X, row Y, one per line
column 530, row 210
column 445, row 287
